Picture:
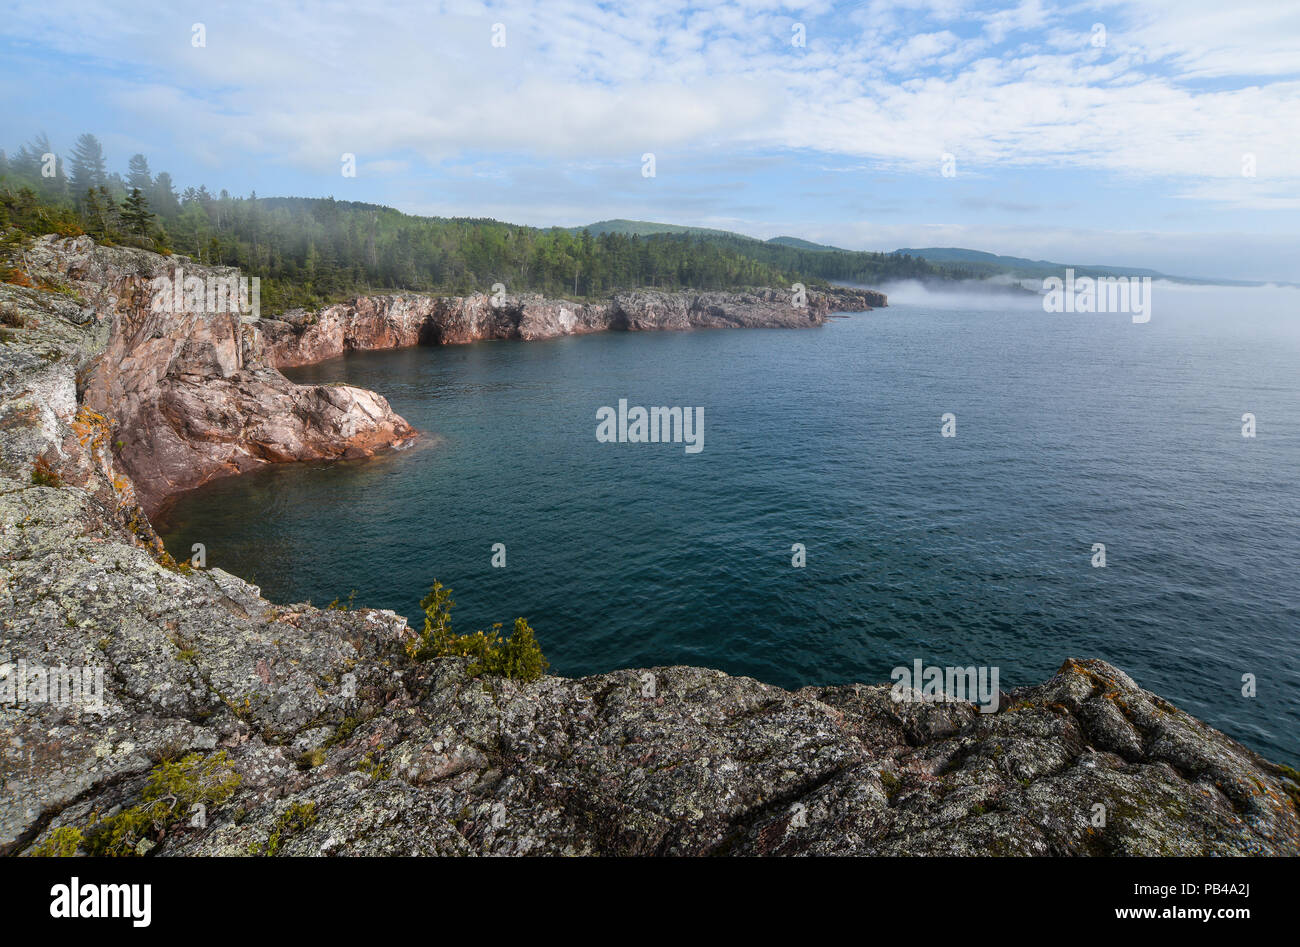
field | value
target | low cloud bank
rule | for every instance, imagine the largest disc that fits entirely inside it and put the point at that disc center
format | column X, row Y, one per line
column 962, row 294
column 1007, row 292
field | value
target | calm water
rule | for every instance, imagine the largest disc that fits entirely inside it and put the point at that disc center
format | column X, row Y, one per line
column 1072, row 429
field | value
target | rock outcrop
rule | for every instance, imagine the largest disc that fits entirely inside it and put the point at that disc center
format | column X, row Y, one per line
column 343, row 744
column 189, row 391
column 393, row 321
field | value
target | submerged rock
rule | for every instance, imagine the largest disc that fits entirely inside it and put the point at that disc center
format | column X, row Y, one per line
column 344, row 745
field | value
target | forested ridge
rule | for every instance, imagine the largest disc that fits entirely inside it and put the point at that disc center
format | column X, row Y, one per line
column 312, row 251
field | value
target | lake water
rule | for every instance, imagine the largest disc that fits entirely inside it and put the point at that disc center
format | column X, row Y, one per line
column 976, row 549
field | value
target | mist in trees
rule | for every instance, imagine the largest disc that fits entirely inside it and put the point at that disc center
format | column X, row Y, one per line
column 311, row 251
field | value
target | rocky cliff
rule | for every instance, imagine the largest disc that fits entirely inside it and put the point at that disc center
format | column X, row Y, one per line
column 317, row 734
column 381, row 322
column 188, row 390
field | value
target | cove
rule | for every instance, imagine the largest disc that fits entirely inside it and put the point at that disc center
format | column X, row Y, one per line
column 956, row 551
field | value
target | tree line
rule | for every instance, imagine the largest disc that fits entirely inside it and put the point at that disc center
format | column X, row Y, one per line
column 312, row 251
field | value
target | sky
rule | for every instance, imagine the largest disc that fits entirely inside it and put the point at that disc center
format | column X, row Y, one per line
column 1160, row 133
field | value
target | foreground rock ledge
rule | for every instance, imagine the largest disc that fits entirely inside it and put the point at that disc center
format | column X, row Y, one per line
column 426, row 760
column 396, row 757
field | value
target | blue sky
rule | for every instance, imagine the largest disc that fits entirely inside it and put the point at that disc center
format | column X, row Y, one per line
column 1109, row 132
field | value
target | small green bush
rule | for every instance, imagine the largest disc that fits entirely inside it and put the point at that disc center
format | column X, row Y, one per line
column 518, row 657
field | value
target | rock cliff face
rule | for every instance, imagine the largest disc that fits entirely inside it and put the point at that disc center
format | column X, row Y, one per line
column 394, row 321
column 344, row 745
column 190, row 393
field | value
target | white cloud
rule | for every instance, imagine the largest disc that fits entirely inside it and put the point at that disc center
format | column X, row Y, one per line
column 1181, row 91
column 1210, row 38
column 575, row 79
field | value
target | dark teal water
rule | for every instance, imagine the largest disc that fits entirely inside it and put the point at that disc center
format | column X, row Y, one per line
column 971, row 550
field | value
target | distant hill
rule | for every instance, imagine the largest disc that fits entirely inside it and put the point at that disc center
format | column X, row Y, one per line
column 646, row 228
column 1020, row 266
column 800, row 244
column 809, row 261
column 836, row 263
column 992, row 264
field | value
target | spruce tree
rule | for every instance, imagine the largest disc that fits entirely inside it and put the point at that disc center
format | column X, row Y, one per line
column 136, row 216
column 138, row 174
column 87, row 165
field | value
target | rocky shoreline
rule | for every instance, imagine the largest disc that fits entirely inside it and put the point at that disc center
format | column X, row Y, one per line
column 394, row 321
column 196, row 393
column 343, row 744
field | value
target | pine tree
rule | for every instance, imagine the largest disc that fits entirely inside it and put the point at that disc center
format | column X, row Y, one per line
column 136, row 216
column 162, row 196
column 87, row 164
column 138, row 175
column 93, row 214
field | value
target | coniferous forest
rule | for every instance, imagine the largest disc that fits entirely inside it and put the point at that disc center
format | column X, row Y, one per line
column 312, row 251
